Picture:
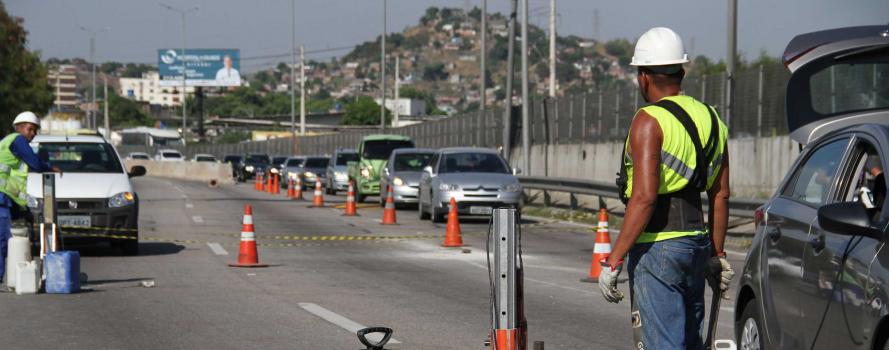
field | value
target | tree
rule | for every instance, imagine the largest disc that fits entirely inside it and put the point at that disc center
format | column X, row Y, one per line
column 23, row 84
column 434, row 71
column 363, row 111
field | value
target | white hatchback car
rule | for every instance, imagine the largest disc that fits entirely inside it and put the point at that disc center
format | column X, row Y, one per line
column 169, row 155
column 94, row 194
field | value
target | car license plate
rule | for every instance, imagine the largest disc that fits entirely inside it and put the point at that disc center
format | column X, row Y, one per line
column 75, row 221
column 480, row 210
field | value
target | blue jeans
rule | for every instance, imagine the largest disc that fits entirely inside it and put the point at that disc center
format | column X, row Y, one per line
column 667, row 283
column 5, row 234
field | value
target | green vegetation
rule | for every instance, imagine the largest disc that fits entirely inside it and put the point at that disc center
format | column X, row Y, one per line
column 363, row 111
column 23, row 84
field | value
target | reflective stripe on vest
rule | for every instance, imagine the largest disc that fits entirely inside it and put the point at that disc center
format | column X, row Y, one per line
column 678, row 157
column 13, row 173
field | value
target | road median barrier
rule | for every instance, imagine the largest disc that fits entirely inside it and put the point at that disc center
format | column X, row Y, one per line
column 206, row 172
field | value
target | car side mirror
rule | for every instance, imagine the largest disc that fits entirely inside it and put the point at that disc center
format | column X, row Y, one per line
column 847, row 218
column 516, row 171
column 136, row 170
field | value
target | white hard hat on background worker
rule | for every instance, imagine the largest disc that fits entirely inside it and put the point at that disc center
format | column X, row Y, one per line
column 659, row 46
column 26, row 117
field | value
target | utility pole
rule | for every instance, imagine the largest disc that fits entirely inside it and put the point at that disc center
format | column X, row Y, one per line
column 91, row 115
column 107, row 117
column 730, row 60
column 293, row 76
column 483, row 53
column 302, row 90
column 552, row 46
column 510, row 71
column 383, row 73
column 184, row 65
column 397, row 102
column 526, row 119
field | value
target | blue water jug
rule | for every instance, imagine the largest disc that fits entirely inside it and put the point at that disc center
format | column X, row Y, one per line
column 62, row 270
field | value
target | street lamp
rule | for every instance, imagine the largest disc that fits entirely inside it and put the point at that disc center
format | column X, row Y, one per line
column 182, row 12
column 91, row 119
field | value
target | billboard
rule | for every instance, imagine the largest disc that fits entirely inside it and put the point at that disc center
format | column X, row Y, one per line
column 203, row 67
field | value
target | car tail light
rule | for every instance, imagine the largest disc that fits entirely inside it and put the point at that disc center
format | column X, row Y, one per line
column 758, row 216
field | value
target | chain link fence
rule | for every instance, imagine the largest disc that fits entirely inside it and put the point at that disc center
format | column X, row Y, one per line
column 592, row 117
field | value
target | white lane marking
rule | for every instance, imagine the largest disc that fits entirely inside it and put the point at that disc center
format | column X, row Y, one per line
column 189, row 205
column 217, row 248
column 341, row 321
column 197, row 219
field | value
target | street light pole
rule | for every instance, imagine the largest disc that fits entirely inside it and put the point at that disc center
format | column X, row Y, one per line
column 184, row 65
column 292, row 76
column 383, row 73
column 91, row 115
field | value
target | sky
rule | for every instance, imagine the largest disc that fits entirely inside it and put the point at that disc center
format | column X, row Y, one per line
column 137, row 28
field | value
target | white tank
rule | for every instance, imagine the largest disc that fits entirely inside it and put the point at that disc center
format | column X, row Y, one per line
column 19, row 251
column 27, row 277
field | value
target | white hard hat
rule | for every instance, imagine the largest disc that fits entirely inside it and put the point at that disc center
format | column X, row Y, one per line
column 26, row 117
column 657, row 47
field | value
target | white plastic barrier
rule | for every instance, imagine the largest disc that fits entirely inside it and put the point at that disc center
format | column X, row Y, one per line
column 198, row 171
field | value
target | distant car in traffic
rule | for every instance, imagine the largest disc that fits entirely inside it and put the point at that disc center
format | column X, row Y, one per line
column 816, row 275
column 203, row 157
column 169, row 155
column 338, row 170
column 479, row 179
column 314, row 168
column 292, row 169
column 402, row 173
column 93, row 195
column 373, row 152
column 234, row 160
column 139, row 155
column 251, row 165
column 278, row 162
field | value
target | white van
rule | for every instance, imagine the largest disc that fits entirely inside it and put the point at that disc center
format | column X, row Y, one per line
column 94, row 194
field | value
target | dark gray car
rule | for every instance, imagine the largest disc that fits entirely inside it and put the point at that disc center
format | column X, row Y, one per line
column 402, row 173
column 817, row 273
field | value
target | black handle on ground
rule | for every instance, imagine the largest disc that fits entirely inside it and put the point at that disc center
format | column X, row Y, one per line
column 362, row 337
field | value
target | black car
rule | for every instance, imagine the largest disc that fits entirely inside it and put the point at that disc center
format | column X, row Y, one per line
column 817, row 273
column 234, row 160
column 251, row 165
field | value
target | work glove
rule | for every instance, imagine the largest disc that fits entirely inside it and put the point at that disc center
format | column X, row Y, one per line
column 721, row 274
column 608, row 281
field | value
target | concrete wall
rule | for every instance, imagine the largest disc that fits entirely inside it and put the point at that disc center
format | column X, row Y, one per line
column 757, row 165
column 198, row 171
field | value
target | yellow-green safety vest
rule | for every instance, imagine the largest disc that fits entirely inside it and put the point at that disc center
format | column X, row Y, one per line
column 13, row 173
column 678, row 157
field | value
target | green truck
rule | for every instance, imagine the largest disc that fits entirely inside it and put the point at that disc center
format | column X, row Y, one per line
column 373, row 153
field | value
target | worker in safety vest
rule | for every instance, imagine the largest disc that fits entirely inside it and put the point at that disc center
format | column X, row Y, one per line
column 16, row 159
column 675, row 149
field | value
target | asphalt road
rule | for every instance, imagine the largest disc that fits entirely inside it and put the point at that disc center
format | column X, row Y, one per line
column 328, row 274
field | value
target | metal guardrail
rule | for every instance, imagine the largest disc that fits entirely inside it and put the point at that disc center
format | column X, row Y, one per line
column 740, row 207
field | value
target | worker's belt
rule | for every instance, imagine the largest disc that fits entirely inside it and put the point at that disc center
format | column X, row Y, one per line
column 676, row 214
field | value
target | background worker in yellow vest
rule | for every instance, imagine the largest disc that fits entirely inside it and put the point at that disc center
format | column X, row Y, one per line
column 675, row 149
column 16, row 159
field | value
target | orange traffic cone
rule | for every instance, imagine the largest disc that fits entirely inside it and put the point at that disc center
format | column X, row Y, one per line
column 453, row 237
column 389, row 209
column 351, row 208
column 290, row 193
column 318, row 198
column 247, row 254
column 276, row 184
column 602, row 247
column 298, row 192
